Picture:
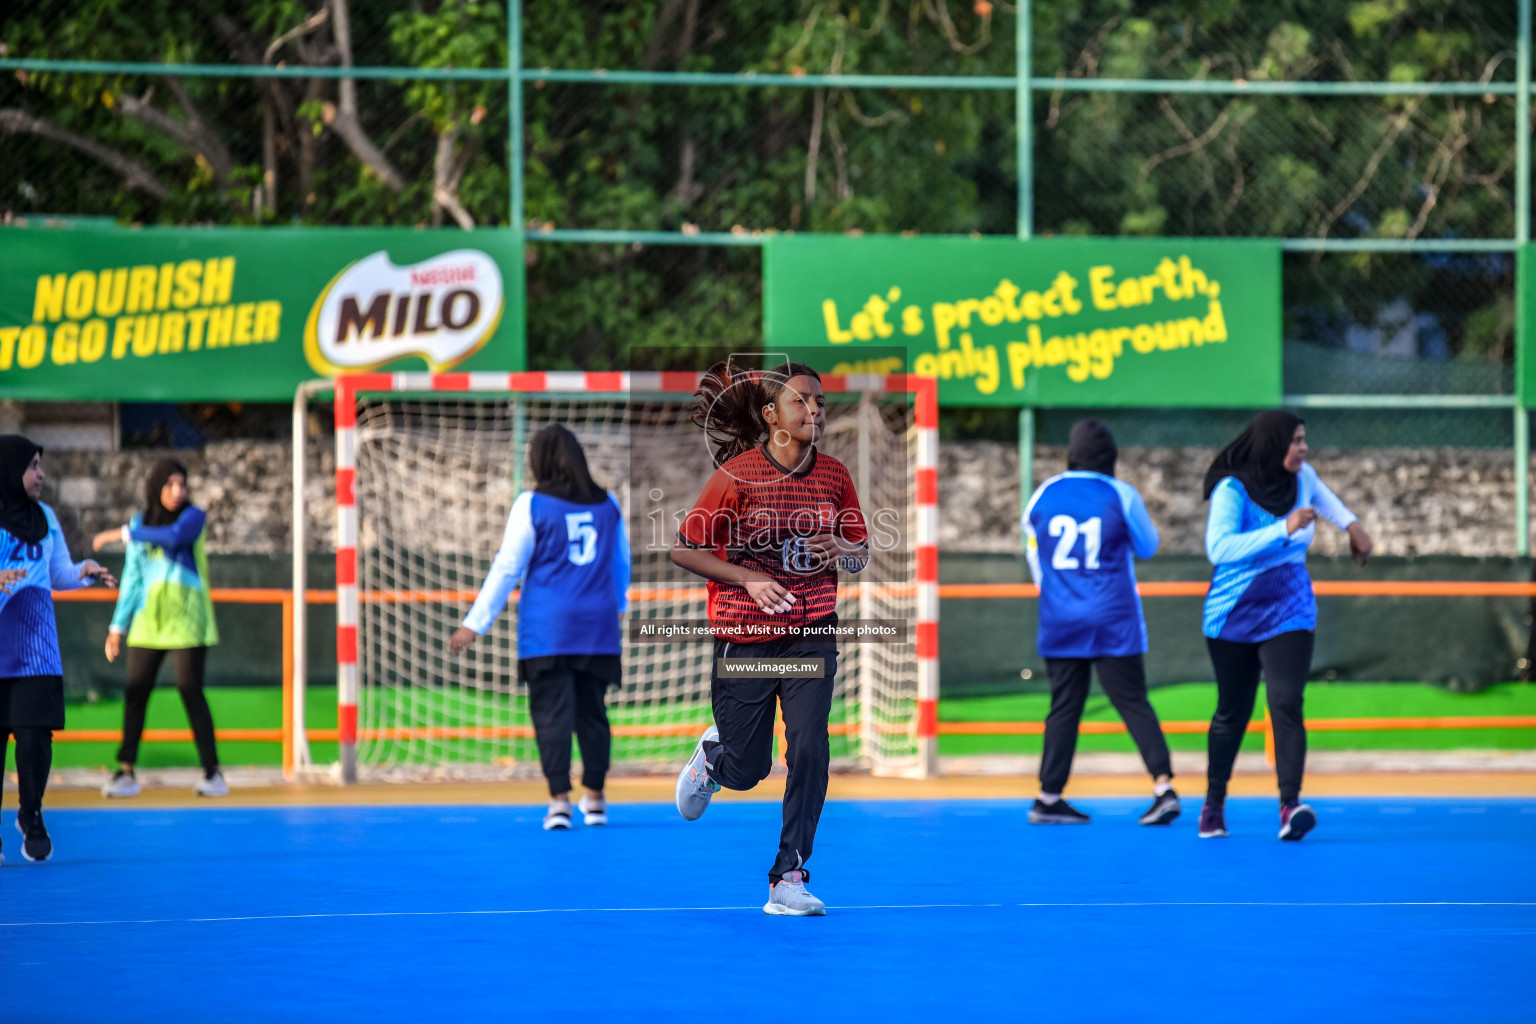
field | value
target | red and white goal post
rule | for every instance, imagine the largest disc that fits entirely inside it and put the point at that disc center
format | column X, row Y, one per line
column 426, row 469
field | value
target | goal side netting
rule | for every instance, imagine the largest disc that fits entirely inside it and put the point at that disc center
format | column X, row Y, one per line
column 432, row 480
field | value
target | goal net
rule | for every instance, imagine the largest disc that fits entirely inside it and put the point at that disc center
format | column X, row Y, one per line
column 435, row 474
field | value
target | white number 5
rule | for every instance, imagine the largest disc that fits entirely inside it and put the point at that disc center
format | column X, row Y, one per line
column 583, row 537
column 1067, row 529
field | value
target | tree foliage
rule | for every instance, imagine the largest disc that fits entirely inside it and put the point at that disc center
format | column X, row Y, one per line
column 210, row 150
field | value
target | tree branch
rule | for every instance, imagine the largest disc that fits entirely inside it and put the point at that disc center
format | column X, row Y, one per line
column 656, row 46
column 135, row 174
column 813, row 152
column 1364, row 181
column 204, row 138
column 1192, row 142
column 141, row 109
column 347, row 124
column 310, row 24
column 445, row 183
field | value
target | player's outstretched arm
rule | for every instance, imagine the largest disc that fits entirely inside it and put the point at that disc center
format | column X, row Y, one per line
column 506, row 570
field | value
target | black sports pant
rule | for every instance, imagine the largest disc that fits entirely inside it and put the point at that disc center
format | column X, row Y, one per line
column 1125, row 683
column 561, row 700
column 34, row 760
column 143, row 667
column 1285, row 661
column 743, row 757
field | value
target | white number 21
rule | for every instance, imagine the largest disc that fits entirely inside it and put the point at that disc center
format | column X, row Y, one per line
column 1067, row 529
column 583, row 537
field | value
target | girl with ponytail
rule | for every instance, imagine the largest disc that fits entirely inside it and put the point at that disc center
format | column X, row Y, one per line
column 773, row 525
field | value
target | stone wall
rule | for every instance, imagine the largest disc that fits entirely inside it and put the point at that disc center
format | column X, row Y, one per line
column 1414, row 501
column 245, row 487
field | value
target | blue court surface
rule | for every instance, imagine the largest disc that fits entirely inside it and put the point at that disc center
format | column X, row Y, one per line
column 1393, row 910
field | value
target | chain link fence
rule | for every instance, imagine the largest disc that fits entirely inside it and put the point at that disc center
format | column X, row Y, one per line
column 118, row 146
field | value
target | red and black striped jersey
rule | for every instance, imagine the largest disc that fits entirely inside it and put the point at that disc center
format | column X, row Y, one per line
column 751, row 513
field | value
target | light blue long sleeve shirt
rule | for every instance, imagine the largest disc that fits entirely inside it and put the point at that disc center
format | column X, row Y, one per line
column 1260, row 587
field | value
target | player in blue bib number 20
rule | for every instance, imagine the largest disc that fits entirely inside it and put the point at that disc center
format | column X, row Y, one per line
column 1084, row 529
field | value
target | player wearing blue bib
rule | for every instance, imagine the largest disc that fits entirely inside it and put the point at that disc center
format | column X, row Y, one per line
column 34, row 562
column 1260, row 613
column 1084, row 530
column 567, row 545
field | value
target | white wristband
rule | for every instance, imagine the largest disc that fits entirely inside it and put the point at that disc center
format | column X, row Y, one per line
column 125, row 535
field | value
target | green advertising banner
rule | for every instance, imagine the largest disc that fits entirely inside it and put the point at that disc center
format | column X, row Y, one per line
column 245, row 315
column 1053, row 322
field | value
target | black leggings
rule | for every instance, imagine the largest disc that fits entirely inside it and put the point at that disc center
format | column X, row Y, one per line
column 143, row 666
column 1285, row 662
column 743, row 756
column 1125, row 684
column 562, row 700
column 34, row 760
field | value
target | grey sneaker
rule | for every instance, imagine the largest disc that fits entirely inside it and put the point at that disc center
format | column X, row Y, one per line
column 1163, row 810
column 694, row 786
column 213, row 785
column 122, row 784
column 789, row 898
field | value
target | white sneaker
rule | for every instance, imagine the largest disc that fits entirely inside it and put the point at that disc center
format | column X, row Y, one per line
column 789, row 898
column 694, row 786
column 211, row 786
column 593, row 812
column 558, row 817
column 121, row 784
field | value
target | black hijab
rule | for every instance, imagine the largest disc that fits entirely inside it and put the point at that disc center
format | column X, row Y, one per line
column 560, row 467
column 1257, row 459
column 1091, row 448
column 19, row 514
column 156, row 514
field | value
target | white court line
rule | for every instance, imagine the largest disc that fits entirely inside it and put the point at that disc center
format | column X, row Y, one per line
column 669, row 910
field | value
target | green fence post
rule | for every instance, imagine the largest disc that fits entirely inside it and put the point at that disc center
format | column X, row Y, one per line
column 1522, row 482
column 1026, row 463
column 1522, row 276
column 515, row 215
column 1024, row 115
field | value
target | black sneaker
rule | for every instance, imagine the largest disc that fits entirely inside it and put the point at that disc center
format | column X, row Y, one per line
column 1058, row 813
column 1163, row 810
column 1296, row 820
column 1213, row 819
column 35, row 844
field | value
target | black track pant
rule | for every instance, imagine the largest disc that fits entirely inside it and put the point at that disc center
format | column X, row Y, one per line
column 1125, row 684
column 143, row 667
column 34, row 760
column 563, row 700
column 1285, row 662
column 743, row 757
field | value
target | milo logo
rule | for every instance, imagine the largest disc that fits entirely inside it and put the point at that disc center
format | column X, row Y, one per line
column 441, row 309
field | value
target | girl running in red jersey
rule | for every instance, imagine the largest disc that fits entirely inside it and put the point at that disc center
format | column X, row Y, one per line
column 774, row 524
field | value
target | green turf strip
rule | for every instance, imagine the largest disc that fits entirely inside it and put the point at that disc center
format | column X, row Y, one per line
column 1193, row 702
column 257, row 707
